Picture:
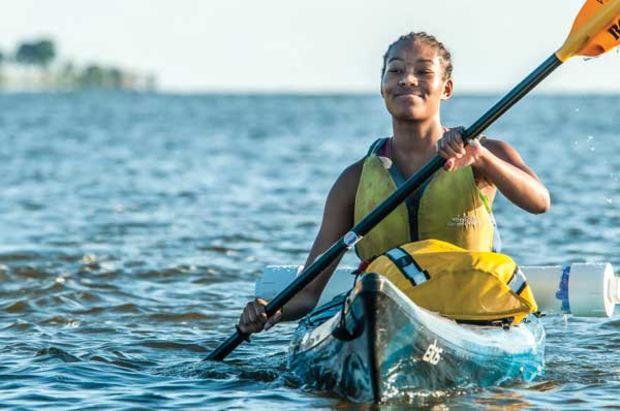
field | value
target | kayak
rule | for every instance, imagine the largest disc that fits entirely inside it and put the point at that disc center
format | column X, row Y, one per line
column 373, row 343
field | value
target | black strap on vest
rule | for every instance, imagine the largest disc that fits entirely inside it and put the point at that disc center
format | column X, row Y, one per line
column 376, row 146
column 413, row 201
column 408, row 267
column 517, row 281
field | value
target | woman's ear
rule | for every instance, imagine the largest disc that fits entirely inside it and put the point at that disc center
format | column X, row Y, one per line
column 447, row 90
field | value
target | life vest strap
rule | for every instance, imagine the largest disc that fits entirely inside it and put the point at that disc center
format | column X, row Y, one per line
column 517, row 282
column 408, row 266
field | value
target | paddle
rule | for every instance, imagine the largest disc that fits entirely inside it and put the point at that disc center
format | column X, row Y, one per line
column 595, row 31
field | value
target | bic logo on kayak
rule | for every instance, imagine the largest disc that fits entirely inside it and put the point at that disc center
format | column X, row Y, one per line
column 433, row 354
column 614, row 30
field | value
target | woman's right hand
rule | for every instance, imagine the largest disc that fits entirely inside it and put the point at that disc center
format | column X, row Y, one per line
column 254, row 318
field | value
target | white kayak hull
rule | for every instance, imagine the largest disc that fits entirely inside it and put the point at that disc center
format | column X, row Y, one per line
column 385, row 346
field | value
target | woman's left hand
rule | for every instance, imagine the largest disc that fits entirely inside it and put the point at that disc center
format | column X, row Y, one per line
column 451, row 147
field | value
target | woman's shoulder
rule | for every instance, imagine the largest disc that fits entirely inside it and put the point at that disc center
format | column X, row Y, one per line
column 344, row 189
column 350, row 176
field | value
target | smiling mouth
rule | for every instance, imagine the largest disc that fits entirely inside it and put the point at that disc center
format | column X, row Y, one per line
column 409, row 94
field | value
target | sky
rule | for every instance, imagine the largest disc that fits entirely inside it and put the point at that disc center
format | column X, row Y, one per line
column 307, row 46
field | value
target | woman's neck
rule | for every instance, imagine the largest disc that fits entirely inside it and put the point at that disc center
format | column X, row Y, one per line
column 416, row 138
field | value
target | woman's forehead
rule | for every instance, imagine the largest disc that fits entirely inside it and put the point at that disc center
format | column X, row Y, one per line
column 414, row 52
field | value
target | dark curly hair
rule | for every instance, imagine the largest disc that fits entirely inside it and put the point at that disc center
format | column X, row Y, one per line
column 432, row 41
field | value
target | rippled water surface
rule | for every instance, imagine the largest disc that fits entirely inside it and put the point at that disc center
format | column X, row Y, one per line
column 134, row 226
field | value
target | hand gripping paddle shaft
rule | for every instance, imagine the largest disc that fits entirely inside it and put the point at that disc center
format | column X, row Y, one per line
column 595, row 31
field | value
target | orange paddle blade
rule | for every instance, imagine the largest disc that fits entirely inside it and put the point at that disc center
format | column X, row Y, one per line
column 595, row 31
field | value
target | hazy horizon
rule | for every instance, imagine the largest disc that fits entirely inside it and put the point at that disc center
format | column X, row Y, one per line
column 308, row 48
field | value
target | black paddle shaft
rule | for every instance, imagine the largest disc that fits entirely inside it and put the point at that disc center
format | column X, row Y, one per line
column 393, row 201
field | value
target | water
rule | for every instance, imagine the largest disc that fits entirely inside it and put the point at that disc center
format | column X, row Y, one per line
column 133, row 228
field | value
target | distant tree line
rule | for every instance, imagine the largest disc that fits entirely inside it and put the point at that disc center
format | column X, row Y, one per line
column 37, row 53
column 41, row 54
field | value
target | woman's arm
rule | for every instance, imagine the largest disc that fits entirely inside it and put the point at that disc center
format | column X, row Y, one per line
column 499, row 165
column 337, row 220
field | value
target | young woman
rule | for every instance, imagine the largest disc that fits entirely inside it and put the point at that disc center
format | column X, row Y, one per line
column 455, row 206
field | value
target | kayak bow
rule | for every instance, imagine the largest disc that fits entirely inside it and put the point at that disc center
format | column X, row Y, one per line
column 381, row 345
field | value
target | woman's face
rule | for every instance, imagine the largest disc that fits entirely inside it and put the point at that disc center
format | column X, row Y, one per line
column 413, row 83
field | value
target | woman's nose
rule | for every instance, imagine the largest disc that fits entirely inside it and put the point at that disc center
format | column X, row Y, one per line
column 408, row 80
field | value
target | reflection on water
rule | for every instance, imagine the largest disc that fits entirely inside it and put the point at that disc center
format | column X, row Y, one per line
column 133, row 227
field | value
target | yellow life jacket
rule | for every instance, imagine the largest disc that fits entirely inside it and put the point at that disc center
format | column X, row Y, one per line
column 449, row 207
column 468, row 286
